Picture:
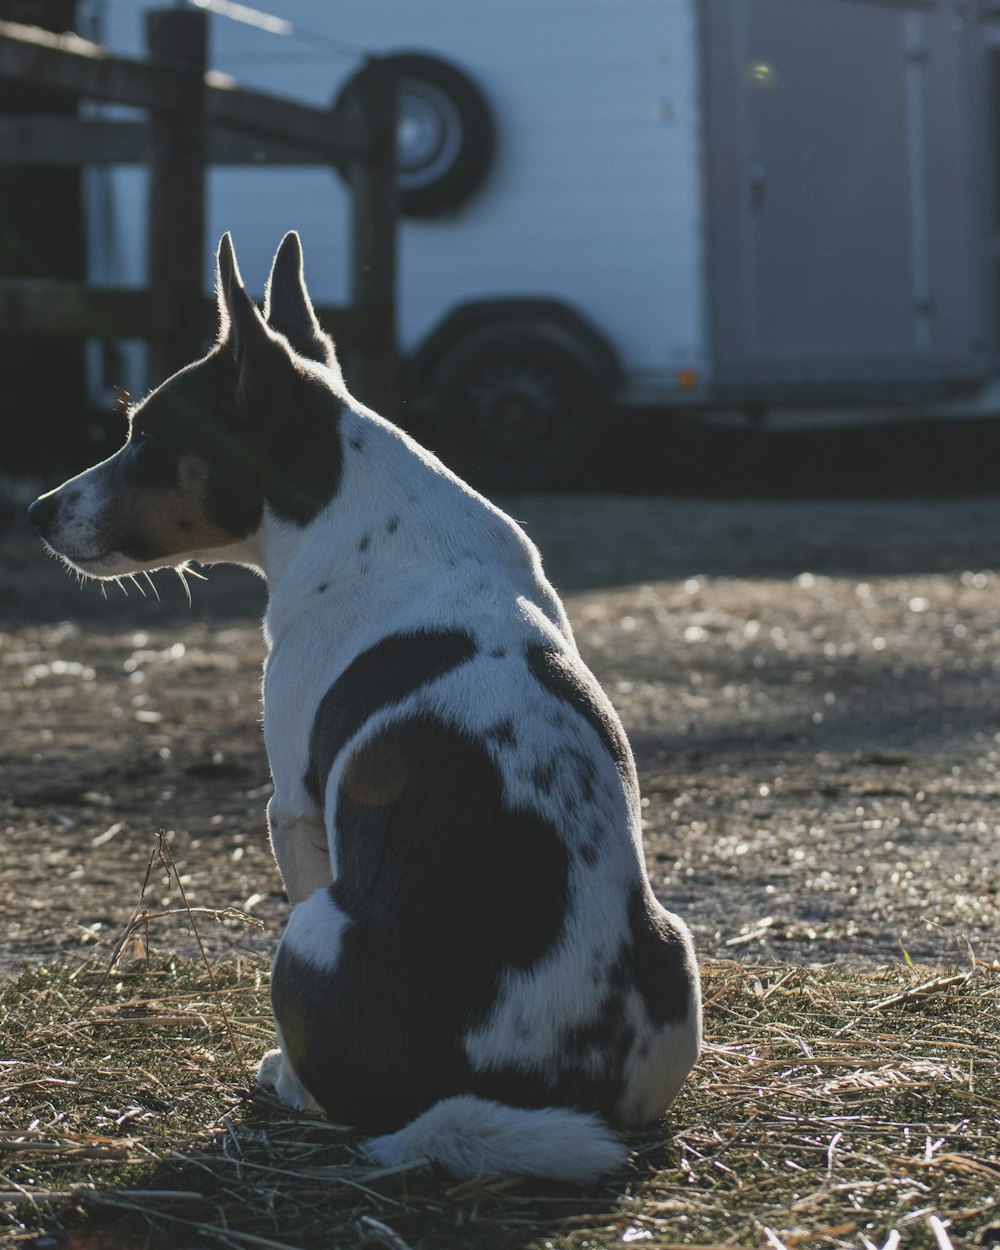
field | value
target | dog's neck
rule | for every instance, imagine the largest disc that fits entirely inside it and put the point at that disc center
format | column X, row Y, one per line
column 397, row 519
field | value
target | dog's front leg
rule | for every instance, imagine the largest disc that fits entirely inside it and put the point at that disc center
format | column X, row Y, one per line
column 299, row 843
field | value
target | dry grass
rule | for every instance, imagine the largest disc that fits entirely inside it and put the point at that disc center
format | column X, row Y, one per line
column 833, row 1108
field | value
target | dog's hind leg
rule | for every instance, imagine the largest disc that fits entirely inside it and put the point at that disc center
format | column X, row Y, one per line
column 275, row 1072
column 306, row 957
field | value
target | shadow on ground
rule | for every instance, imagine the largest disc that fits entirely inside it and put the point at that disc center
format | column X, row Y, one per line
column 892, row 458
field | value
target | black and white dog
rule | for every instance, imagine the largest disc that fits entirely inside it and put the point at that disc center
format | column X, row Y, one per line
column 475, row 969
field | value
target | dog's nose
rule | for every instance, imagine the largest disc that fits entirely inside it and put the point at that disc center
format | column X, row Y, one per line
column 42, row 511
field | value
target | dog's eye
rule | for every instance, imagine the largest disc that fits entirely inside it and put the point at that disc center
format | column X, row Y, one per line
column 140, row 435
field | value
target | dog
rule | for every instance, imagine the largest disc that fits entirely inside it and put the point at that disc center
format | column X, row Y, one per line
column 475, row 973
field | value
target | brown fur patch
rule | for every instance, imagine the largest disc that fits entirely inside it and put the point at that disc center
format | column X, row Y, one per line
column 174, row 521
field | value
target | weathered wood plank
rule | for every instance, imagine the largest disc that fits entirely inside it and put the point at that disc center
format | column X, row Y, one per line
column 240, row 147
column 47, row 306
column 76, row 66
column 330, row 131
column 374, row 203
column 37, row 142
column 55, row 140
column 175, row 242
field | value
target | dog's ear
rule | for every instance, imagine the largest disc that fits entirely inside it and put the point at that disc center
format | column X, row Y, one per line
column 239, row 320
column 288, row 308
column 261, row 357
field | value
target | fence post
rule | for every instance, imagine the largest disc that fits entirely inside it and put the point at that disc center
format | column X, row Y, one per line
column 177, row 38
column 373, row 240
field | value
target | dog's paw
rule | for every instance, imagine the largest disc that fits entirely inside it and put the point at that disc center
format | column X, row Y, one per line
column 269, row 1069
column 275, row 1073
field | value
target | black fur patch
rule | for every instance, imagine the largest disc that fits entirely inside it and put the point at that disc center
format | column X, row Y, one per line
column 194, row 413
column 657, row 960
column 446, row 885
column 384, row 674
column 304, row 457
column 590, row 852
column 281, row 444
column 502, row 733
column 583, row 766
column 574, row 686
column 544, row 775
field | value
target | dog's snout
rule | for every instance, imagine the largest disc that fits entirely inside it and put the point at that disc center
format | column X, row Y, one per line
column 42, row 511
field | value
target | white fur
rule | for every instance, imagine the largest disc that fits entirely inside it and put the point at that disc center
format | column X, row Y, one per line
column 470, row 1137
column 275, row 1072
column 315, row 928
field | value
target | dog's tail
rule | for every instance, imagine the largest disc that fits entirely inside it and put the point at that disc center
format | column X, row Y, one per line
column 470, row 1137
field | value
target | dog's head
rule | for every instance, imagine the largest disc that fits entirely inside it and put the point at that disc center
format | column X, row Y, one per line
column 249, row 428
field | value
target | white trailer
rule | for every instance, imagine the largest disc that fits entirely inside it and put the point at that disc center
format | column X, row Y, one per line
column 653, row 202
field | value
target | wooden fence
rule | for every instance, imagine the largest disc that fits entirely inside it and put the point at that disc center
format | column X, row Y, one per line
column 196, row 118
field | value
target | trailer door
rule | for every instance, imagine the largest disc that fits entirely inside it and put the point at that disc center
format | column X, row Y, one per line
column 846, row 198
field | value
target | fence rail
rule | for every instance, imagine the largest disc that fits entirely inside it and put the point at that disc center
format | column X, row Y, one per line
column 55, row 307
column 197, row 118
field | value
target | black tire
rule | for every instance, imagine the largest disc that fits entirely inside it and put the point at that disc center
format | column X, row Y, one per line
column 516, row 406
column 445, row 138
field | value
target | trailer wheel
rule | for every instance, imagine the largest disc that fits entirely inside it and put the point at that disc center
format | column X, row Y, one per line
column 445, row 135
column 517, row 406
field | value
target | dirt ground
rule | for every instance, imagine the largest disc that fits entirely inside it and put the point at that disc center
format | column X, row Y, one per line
column 811, row 689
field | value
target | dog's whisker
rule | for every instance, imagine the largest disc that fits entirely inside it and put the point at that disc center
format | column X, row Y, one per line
column 152, row 585
column 180, row 570
column 137, row 584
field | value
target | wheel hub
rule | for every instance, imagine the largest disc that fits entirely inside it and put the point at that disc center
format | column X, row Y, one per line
column 514, row 412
